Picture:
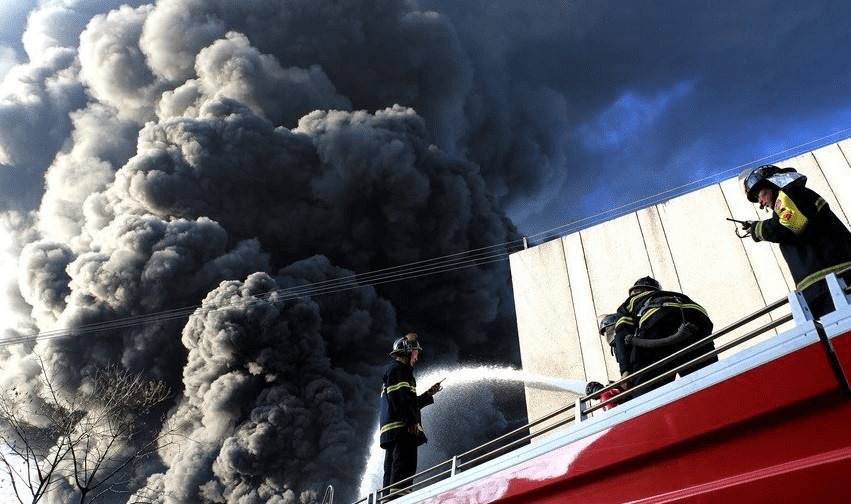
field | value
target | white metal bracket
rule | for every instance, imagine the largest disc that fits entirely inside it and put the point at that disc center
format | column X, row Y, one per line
column 837, row 287
column 800, row 311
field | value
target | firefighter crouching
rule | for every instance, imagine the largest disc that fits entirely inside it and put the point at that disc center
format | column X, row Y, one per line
column 401, row 428
column 653, row 324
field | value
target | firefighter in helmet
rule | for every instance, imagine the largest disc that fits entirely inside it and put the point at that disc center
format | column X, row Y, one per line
column 401, row 428
column 653, row 324
column 812, row 239
column 607, row 329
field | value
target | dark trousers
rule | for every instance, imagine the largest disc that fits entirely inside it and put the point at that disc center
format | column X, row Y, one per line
column 675, row 363
column 400, row 462
column 818, row 297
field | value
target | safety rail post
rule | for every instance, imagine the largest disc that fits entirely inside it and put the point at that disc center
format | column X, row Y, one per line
column 580, row 409
column 800, row 311
column 454, row 468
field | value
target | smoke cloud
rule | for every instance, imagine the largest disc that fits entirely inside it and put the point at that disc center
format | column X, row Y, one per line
column 210, row 156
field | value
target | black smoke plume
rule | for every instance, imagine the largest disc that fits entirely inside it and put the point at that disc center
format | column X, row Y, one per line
column 220, row 154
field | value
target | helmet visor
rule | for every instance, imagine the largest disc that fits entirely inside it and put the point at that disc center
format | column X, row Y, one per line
column 753, row 179
column 609, row 331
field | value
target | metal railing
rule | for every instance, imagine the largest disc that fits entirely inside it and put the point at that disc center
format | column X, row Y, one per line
column 523, row 435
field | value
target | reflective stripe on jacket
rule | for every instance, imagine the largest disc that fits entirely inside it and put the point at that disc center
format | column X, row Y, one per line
column 399, row 404
column 639, row 313
column 812, row 239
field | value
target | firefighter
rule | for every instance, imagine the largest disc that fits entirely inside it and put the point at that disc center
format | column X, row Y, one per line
column 653, row 324
column 812, row 239
column 401, row 428
column 607, row 329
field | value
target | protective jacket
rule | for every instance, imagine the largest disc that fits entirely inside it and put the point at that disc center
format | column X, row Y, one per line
column 400, row 406
column 656, row 315
column 813, row 241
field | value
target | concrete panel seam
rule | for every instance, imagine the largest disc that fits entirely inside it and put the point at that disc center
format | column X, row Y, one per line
column 748, row 257
column 848, row 163
column 824, row 175
column 593, row 302
column 570, row 287
column 644, row 241
column 667, row 245
column 847, row 160
column 671, row 253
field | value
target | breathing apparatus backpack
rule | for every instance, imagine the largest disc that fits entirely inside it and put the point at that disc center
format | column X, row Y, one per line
column 666, row 304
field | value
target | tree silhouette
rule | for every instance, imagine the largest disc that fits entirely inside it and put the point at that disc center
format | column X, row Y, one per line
column 86, row 442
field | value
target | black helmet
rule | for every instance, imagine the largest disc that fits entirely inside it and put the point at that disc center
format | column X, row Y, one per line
column 754, row 179
column 608, row 321
column 643, row 284
column 405, row 345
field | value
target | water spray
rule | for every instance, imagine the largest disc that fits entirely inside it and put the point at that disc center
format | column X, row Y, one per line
column 462, row 378
column 467, row 375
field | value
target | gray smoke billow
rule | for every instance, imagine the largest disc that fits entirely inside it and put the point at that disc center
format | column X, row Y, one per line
column 215, row 154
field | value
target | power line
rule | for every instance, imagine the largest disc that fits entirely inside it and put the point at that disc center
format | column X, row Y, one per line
column 677, row 191
column 454, row 262
column 427, row 267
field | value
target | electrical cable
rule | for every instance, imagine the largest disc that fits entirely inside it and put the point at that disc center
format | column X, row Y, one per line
column 286, row 294
column 680, row 190
column 427, row 267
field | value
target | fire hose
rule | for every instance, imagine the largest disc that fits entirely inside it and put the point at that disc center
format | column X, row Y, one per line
column 686, row 331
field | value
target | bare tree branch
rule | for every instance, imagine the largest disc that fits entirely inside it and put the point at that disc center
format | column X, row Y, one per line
column 87, row 439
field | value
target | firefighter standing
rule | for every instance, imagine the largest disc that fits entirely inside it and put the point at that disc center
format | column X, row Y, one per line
column 812, row 239
column 401, row 428
column 653, row 324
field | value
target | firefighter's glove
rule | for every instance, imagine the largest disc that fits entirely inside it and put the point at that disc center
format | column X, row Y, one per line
column 689, row 330
column 415, row 429
column 748, row 228
column 434, row 389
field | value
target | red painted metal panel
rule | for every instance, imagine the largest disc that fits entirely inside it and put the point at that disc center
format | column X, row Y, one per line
column 756, row 436
column 842, row 347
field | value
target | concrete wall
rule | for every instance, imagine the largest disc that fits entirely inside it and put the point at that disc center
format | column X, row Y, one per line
column 562, row 287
